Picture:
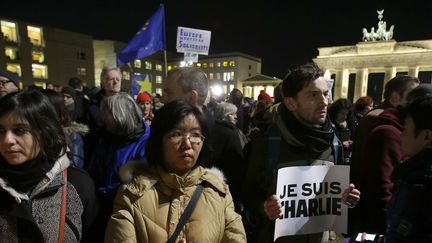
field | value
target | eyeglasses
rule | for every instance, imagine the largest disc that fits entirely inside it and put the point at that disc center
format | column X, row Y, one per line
column 194, row 138
column 4, row 82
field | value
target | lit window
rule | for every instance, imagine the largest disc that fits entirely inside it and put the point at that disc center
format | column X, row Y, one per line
column 159, row 91
column 232, row 75
column 226, row 76
column 225, row 64
column 210, row 75
column 231, row 87
column 225, row 88
column 204, row 65
column 35, row 35
column 82, row 71
column 137, row 63
column 38, row 56
column 40, row 71
column 169, row 68
column 11, row 53
column 158, row 79
column 232, row 63
column 158, row 67
column 218, row 76
column 211, row 65
column 148, row 65
column 218, row 64
column 198, row 64
column 9, row 31
column 126, row 75
column 14, row 68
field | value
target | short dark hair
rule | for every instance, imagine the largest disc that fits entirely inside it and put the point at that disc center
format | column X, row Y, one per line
column 165, row 120
column 398, row 84
column 339, row 105
column 297, row 79
column 236, row 96
column 277, row 93
column 56, row 99
column 420, row 91
column 75, row 83
column 418, row 110
column 36, row 109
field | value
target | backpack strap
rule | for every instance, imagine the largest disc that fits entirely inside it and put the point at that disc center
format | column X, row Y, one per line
column 273, row 150
column 63, row 207
column 187, row 213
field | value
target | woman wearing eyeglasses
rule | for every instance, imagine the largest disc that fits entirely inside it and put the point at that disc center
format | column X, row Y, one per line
column 150, row 207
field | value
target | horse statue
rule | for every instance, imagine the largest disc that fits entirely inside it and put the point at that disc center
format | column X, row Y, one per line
column 388, row 35
column 381, row 32
column 366, row 35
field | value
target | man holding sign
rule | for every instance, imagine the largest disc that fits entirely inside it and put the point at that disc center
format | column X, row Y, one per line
column 300, row 136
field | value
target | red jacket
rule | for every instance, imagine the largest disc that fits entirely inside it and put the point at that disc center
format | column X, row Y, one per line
column 381, row 152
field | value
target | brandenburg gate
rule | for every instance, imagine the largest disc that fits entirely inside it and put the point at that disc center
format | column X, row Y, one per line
column 378, row 53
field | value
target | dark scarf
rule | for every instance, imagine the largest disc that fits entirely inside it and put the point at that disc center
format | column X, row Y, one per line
column 316, row 139
column 25, row 176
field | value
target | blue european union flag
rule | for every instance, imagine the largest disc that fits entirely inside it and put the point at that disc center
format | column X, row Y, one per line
column 141, row 83
column 149, row 39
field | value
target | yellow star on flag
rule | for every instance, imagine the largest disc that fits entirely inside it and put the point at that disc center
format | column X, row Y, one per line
column 145, row 85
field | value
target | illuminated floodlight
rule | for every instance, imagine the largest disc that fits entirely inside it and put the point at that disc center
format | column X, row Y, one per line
column 216, row 90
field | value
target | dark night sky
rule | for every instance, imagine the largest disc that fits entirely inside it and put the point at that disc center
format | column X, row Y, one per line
column 283, row 33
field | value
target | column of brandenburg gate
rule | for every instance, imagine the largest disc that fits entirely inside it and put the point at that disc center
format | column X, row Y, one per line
column 376, row 54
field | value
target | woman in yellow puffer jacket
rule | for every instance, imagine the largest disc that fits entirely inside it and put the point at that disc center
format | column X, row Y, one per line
column 148, row 208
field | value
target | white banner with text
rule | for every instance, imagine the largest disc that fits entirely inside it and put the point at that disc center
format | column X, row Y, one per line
column 193, row 40
column 311, row 198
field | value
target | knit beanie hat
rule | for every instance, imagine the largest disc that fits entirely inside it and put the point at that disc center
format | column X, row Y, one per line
column 263, row 96
column 143, row 97
column 70, row 91
column 11, row 76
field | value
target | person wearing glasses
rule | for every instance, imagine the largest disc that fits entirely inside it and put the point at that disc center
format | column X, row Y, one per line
column 149, row 207
column 8, row 83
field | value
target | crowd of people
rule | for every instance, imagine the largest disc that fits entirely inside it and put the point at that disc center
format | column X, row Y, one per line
column 98, row 165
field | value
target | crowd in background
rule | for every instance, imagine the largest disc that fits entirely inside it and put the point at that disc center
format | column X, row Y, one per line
column 81, row 164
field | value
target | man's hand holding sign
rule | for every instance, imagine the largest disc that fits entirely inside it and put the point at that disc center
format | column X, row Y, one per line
column 309, row 200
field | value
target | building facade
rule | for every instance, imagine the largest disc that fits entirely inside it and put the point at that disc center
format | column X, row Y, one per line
column 105, row 54
column 253, row 85
column 365, row 68
column 41, row 54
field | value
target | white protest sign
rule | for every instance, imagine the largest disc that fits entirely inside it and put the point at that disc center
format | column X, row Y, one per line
column 190, row 57
column 311, row 198
column 330, row 83
column 193, row 40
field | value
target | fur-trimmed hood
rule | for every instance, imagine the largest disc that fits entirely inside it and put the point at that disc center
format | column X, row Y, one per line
column 139, row 176
column 60, row 165
column 79, row 128
column 132, row 168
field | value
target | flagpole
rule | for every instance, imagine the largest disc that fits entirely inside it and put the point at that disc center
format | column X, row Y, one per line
column 165, row 51
column 166, row 63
